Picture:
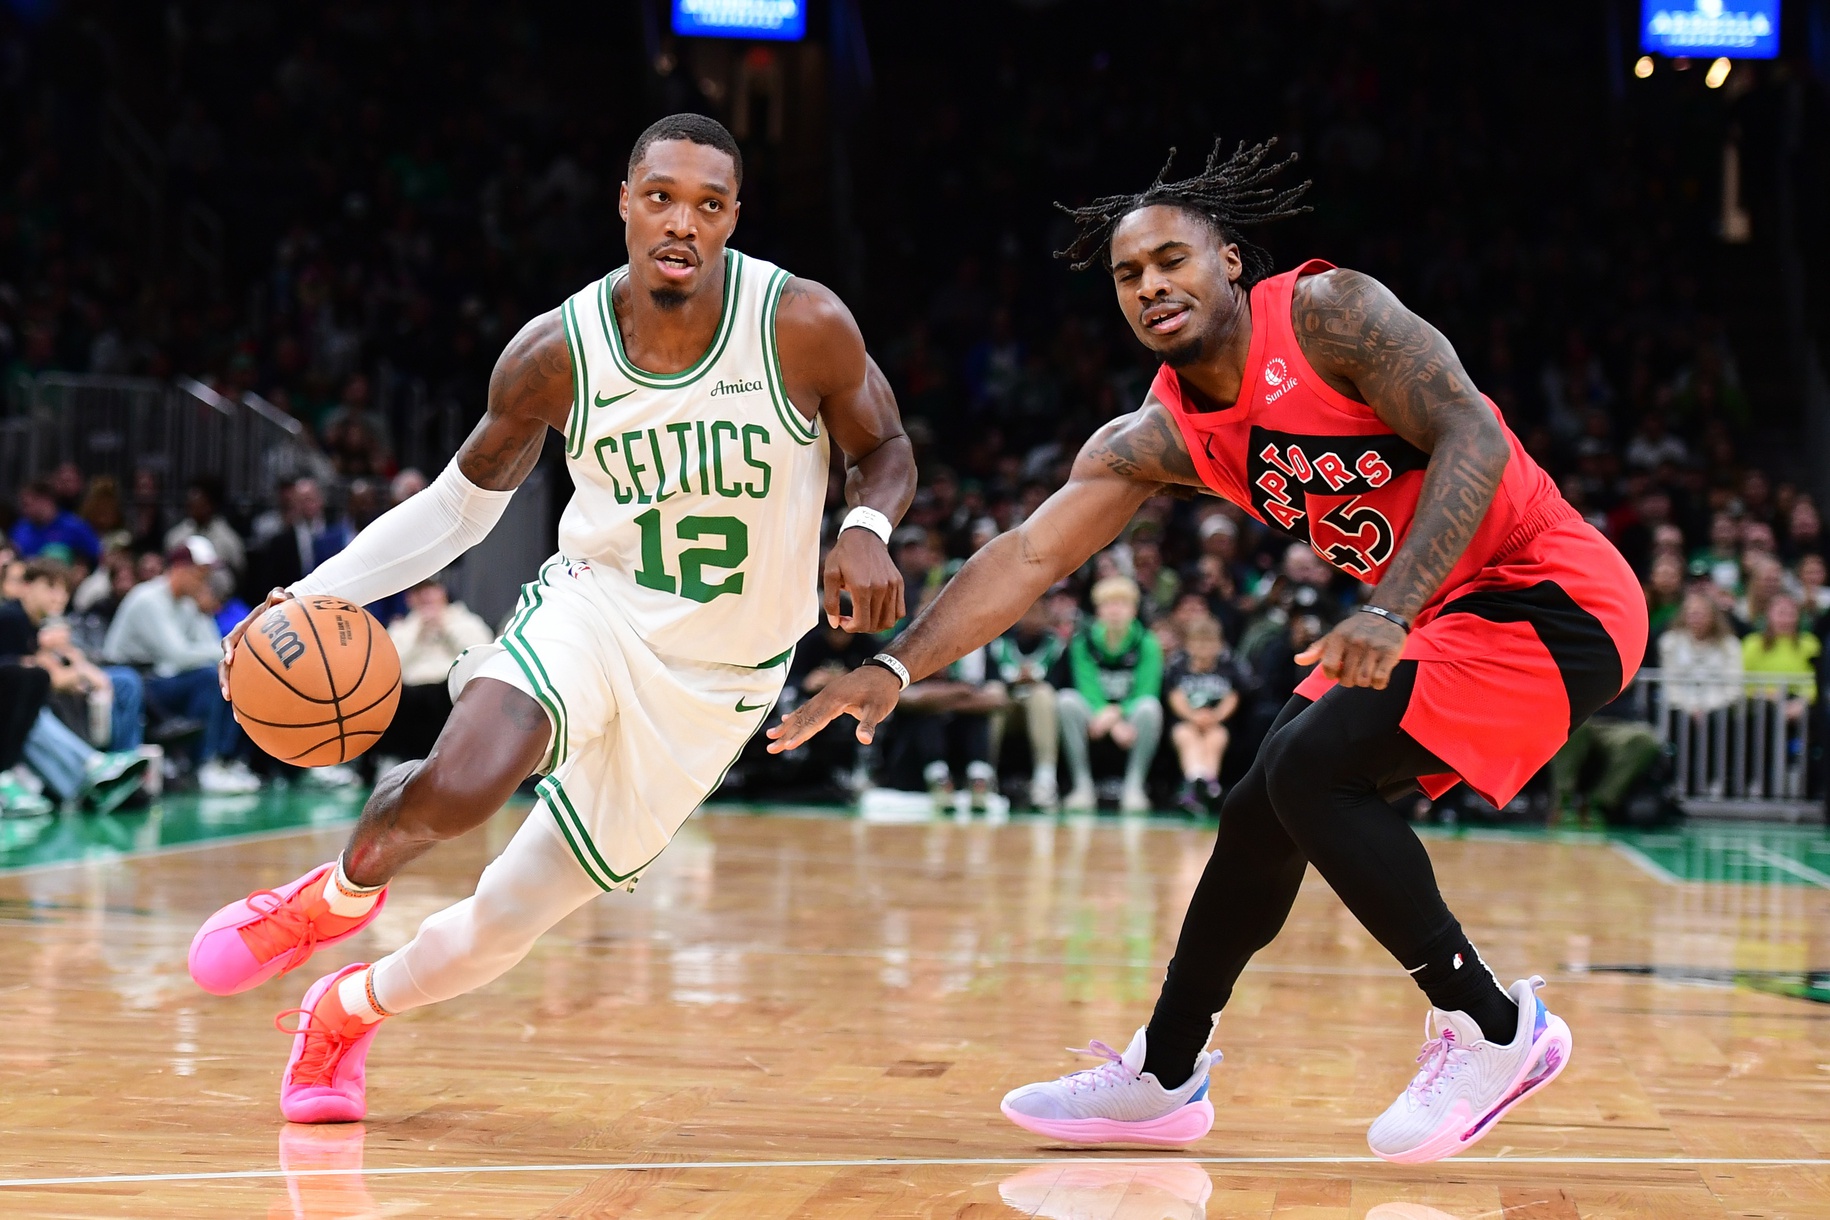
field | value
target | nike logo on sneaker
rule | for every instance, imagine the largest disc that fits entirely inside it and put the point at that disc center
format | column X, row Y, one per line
column 604, row 402
column 755, row 708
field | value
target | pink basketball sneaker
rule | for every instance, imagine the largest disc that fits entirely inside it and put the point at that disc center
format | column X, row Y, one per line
column 1116, row 1103
column 326, row 1079
column 1465, row 1084
column 270, row 932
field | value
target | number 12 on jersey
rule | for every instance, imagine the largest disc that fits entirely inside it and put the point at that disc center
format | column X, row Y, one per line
column 693, row 560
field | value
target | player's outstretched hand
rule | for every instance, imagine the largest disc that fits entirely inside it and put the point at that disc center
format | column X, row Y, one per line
column 860, row 565
column 868, row 692
column 1362, row 650
column 234, row 637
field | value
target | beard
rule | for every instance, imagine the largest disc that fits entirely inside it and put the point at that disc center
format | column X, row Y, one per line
column 668, row 299
column 1188, row 352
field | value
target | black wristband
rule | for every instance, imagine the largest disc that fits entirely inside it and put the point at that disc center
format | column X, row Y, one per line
column 886, row 662
column 1387, row 615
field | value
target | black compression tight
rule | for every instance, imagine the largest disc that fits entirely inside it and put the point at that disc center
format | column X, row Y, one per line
column 1316, row 794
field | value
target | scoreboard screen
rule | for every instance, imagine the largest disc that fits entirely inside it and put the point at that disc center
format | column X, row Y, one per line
column 1706, row 29
column 784, row 20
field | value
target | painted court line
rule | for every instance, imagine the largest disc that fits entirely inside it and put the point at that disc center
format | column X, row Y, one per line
column 889, row 1162
column 1773, row 859
column 1645, row 864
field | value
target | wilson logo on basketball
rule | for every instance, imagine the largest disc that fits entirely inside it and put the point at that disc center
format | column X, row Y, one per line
column 286, row 644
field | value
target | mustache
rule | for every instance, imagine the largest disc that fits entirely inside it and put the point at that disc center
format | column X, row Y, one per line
column 686, row 247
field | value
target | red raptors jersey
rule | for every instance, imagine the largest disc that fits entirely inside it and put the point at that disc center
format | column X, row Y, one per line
column 1302, row 457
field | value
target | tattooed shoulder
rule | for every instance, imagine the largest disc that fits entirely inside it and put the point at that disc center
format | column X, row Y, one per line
column 1146, row 446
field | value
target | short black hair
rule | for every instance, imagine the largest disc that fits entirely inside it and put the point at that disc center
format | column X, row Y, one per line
column 1226, row 194
column 687, row 126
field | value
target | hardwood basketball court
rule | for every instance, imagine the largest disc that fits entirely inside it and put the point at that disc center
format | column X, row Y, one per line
column 810, row 1016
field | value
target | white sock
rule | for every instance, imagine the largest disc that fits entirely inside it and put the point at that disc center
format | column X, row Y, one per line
column 353, row 994
column 346, row 898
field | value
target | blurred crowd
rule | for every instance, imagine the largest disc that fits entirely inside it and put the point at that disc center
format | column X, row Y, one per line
column 402, row 186
column 111, row 630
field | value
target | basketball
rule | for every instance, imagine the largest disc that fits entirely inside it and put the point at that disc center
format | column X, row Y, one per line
column 315, row 681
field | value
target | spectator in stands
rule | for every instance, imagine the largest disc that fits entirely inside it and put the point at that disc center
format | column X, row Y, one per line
column 1024, row 658
column 943, row 729
column 296, row 544
column 1720, row 561
column 77, row 773
column 101, row 508
column 1765, row 580
column 1780, row 648
column 823, row 654
column 43, row 524
column 203, row 516
column 164, row 630
column 355, row 436
column 23, row 691
column 1804, row 530
column 1202, row 690
column 30, row 633
column 1701, row 663
column 1616, row 747
column 1813, row 592
column 1664, row 595
column 429, row 638
column 1116, row 670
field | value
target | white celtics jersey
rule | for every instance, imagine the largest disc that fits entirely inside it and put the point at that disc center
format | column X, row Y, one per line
column 698, row 494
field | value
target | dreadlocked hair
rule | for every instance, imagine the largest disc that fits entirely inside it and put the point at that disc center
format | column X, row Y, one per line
column 1227, row 194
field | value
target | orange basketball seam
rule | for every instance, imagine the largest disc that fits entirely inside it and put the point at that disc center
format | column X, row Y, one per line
column 324, row 655
column 255, row 653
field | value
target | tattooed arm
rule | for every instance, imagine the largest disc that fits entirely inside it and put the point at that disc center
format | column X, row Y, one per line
column 1364, row 343
column 1125, row 463
column 530, row 391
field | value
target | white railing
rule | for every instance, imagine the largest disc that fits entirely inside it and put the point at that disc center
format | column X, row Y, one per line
column 120, row 425
column 1738, row 746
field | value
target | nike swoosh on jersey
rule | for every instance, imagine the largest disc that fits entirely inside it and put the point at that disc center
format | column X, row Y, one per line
column 756, row 708
column 604, row 402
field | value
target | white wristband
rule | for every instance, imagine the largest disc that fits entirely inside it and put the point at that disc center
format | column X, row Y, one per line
column 862, row 517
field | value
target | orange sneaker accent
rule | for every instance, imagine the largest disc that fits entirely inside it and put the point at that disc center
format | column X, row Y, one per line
column 293, row 926
column 329, row 1032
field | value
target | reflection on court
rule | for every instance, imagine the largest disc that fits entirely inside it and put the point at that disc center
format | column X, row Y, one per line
column 804, row 1017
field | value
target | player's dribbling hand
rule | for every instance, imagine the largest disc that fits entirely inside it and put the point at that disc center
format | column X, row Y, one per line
column 234, row 637
column 1362, row 650
column 859, row 564
column 868, row 692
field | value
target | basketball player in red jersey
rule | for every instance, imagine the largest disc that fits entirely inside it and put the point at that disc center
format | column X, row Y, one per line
column 1497, row 621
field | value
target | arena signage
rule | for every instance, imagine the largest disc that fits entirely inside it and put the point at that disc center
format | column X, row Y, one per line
column 1738, row 29
column 779, row 19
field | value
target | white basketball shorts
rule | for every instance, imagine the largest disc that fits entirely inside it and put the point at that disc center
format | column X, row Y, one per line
column 639, row 740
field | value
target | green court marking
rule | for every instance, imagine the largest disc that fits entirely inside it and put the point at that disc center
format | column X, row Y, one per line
column 1736, row 854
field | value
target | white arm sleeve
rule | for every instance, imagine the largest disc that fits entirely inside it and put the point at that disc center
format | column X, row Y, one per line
column 411, row 541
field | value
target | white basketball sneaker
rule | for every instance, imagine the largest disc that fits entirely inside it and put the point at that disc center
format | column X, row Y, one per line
column 1465, row 1083
column 1116, row 1103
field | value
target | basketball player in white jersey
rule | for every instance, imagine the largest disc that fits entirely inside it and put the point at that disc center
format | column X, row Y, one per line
column 698, row 390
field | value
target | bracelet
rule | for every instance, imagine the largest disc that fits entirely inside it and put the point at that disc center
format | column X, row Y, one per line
column 884, row 660
column 1387, row 615
column 863, row 517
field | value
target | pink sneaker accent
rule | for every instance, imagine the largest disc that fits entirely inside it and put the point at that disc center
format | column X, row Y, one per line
column 326, row 1075
column 221, row 961
column 1179, row 1127
column 1465, row 1085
